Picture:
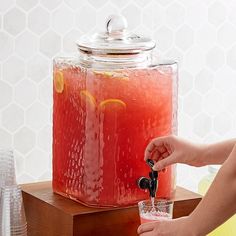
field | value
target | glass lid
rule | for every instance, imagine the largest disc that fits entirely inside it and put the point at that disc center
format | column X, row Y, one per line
column 115, row 40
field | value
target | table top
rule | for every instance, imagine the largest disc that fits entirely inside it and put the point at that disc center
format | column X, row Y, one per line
column 43, row 191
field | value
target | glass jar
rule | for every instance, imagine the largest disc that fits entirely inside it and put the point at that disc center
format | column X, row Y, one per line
column 229, row 227
column 108, row 103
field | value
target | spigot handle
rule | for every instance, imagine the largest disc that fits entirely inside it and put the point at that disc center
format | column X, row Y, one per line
column 150, row 162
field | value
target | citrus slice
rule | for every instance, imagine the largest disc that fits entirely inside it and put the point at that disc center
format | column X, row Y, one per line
column 112, row 74
column 58, row 81
column 112, row 103
column 87, row 97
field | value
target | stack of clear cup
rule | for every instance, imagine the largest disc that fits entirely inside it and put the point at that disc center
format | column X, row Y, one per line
column 12, row 214
column 7, row 168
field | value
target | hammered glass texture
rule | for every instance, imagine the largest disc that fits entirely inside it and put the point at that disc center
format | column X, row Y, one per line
column 200, row 35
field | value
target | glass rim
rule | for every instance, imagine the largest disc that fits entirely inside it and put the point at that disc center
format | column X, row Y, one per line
column 157, row 201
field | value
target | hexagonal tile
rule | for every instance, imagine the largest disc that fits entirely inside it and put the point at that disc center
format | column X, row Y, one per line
column 87, row 15
column 206, row 36
column 36, row 163
column 142, row 3
column 13, row 69
column 213, row 102
column 185, row 125
column 174, row 54
column 12, row 117
column 212, row 138
column 194, row 59
column 14, row 21
column 69, row 41
column 175, row 15
column 184, row 37
column 215, row 58
column 26, row 44
column 50, row 43
column 217, row 13
column 133, row 16
column 185, row 82
column 25, row 93
column 5, row 5
column 231, row 57
column 75, row 4
column 5, row 94
column 37, row 116
column 59, row 23
column 38, row 68
column 164, row 2
column 27, row 4
column 98, row 3
column 47, row 175
column 39, row 20
column 52, row 4
column 196, row 14
column 6, row 45
column 103, row 14
column 202, row 125
column 46, row 92
column 232, row 15
column 25, row 178
column 20, row 163
column 5, row 139
column 225, row 79
column 45, row 138
column 120, row 4
column 153, row 16
column 143, row 31
column 230, row 101
column 204, row 81
column 227, row 35
column 192, row 104
column 24, row 140
column 222, row 123
column 164, row 38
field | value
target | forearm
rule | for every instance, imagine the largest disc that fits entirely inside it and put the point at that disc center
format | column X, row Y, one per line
column 219, row 203
column 216, row 153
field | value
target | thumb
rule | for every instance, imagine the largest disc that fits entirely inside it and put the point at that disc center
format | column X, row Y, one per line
column 164, row 163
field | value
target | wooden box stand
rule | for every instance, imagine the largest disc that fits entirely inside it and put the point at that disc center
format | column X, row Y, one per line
column 50, row 214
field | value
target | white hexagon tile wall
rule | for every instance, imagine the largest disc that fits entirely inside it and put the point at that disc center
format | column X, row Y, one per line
column 200, row 35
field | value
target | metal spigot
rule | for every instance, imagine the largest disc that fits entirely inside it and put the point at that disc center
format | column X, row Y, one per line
column 152, row 183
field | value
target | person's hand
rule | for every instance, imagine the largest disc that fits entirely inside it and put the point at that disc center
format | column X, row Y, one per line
column 171, row 149
column 177, row 227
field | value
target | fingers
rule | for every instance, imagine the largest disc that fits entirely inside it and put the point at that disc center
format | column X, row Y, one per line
column 161, row 164
column 146, row 227
column 158, row 144
column 150, row 233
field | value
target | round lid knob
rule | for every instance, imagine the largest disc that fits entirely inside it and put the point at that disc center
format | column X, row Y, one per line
column 116, row 23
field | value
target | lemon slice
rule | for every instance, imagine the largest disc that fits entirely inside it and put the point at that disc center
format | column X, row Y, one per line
column 112, row 74
column 58, row 81
column 86, row 96
column 112, row 103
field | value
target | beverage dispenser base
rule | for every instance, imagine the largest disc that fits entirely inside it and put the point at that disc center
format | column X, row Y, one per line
column 50, row 214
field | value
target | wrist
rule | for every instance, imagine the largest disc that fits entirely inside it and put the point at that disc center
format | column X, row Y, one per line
column 200, row 155
column 193, row 228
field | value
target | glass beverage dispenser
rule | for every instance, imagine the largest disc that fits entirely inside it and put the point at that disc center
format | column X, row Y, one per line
column 109, row 102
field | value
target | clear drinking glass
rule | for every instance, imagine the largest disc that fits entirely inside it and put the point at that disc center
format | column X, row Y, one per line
column 158, row 210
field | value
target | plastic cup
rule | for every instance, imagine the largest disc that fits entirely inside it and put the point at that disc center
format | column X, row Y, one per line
column 7, row 168
column 12, row 214
column 159, row 210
